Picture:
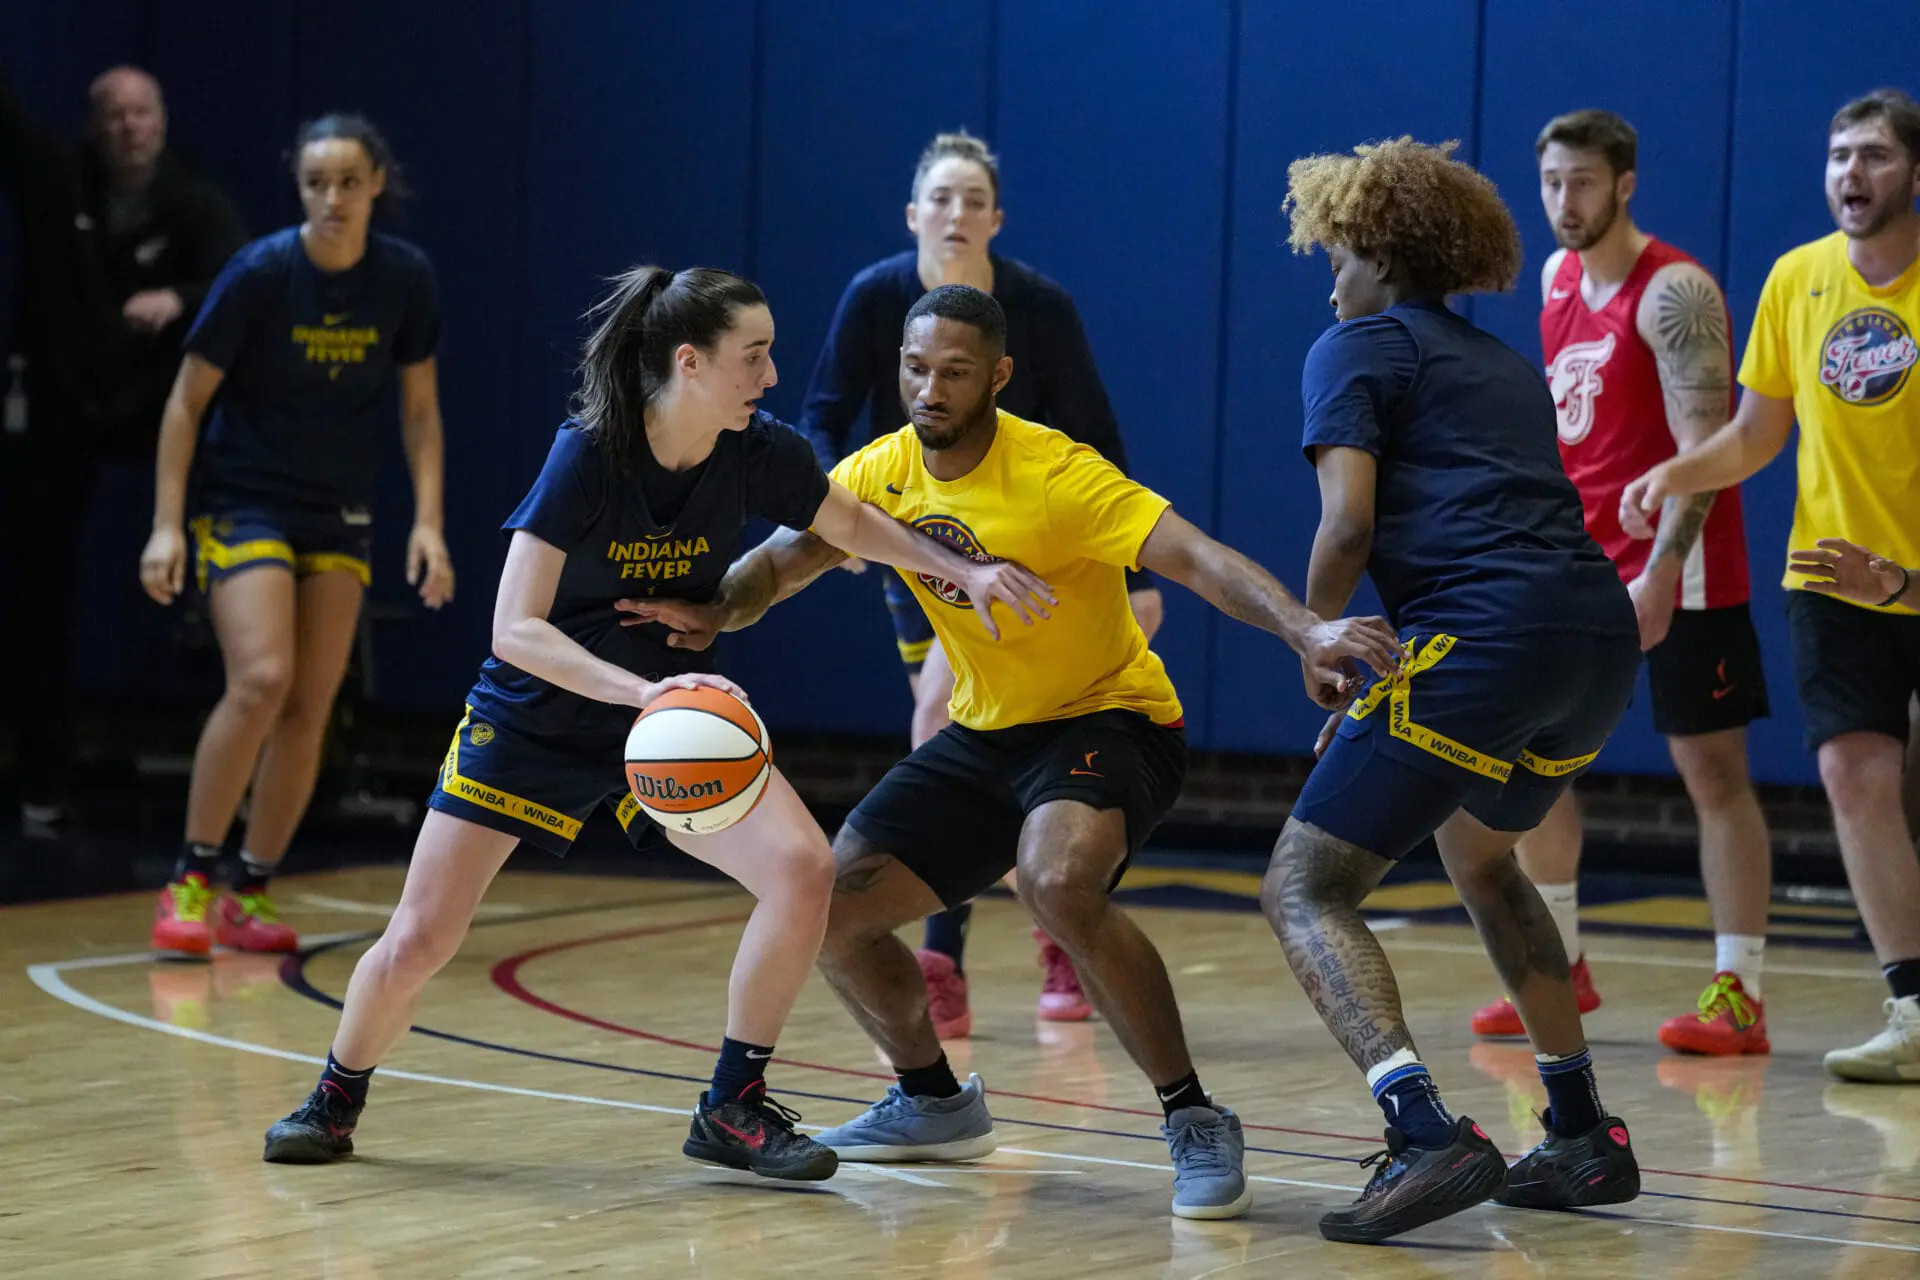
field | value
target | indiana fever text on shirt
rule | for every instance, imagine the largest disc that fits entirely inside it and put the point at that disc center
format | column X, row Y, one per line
column 311, row 359
column 660, row 532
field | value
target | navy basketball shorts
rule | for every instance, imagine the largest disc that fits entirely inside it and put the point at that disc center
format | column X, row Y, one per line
column 1496, row 726
column 540, row 788
column 913, row 632
column 951, row 812
column 232, row 539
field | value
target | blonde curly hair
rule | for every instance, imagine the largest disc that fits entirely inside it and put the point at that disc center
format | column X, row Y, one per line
column 1439, row 220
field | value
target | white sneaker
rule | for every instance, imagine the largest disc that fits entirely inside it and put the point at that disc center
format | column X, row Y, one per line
column 1891, row 1056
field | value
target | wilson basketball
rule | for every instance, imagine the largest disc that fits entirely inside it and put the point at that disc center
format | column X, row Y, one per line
column 698, row 759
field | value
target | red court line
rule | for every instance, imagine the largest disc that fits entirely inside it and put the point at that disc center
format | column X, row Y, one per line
column 506, row 976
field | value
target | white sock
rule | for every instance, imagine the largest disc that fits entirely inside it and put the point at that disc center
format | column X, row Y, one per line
column 1401, row 1058
column 1742, row 955
column 1563, row 904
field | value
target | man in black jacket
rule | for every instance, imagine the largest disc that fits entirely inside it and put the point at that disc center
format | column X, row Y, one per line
column 119, row 241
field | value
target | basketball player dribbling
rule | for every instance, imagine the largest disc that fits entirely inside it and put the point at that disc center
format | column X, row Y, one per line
column 1066, row 746
column 654, row 480
column 1640, row 363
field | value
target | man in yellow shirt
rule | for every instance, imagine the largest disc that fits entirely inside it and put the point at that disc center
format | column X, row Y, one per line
column 1834, row 345
column 1066, row 747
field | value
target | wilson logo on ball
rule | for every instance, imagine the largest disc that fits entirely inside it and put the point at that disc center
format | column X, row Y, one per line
column 648, row 787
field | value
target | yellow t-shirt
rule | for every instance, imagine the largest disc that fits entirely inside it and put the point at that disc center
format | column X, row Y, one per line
column 1845, row 354
column 1064, row 512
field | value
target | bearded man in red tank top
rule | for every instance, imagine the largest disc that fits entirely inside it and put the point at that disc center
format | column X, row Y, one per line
column 1636, row 341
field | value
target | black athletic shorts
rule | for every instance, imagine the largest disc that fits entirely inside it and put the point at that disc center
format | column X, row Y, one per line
column 1706, row 675
column 952, row 811
column 1857, row 669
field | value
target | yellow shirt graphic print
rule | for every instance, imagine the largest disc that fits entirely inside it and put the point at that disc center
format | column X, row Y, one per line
column 1846, row 354
column 1069, row 515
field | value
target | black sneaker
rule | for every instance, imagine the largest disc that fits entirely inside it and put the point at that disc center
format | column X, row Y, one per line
column 1594, row 1168
column 321, row 1130
column 755, row 1133
column 1413, row 1186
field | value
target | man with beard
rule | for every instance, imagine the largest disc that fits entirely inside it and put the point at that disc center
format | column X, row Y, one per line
column 1635, row 337
column 1833, row 346
column 1065, row 749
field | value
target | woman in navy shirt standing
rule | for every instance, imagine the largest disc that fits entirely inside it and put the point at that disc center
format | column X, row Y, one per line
column 299, row 350
column 953, row 217
column 645, row 493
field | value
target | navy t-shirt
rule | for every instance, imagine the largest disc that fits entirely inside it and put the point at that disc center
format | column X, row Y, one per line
column 1477, row 529
column 311, row 360
column 619, row 548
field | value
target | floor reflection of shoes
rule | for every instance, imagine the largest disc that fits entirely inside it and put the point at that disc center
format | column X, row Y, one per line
column 1894, row 1114
column 1514, row 1067
column 1727, row 1092
column 240, row 975
column 181, row 994
column 1070, row 1065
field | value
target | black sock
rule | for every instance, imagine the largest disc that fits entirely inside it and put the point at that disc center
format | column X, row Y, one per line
column 1184, row 1092
column 1573, row 1096
column 1411, row 1103
column 1903, row 976
column 251, row 875
column 203, row 858
column 741, row 1066
column 947, row 934
column 935, row 1081
column 352, row 1083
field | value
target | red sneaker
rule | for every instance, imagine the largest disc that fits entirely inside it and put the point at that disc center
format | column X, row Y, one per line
column 1061, row 999
column 249, row 922
column 180, row 917
column 1729, row 1022
column 946, row 996
column 1502, row 1019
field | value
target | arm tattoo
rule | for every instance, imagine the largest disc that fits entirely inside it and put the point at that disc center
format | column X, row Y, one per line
column 1312, row 895
column 747, row 590
column 1696, row 383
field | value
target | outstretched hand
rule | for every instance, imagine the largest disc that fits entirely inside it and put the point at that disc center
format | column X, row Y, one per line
column 1332, row 652
column 692, row 626
column 1848, row 570
column 1013, row 585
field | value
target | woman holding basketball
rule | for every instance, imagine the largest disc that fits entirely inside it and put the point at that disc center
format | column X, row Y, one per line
column 307, row 336
column 646, row 491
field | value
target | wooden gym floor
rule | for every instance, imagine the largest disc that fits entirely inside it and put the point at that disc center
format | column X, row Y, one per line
column 531, row 1126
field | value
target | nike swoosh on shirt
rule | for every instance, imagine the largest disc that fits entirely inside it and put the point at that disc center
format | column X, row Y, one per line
column 893, row 490
column 328, row 318
column 1557, row 294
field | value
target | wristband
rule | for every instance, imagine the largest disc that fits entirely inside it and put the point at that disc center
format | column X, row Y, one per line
column 1906, row 579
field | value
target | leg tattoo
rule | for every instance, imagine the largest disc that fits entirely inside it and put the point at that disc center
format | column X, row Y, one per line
column 1311, row 895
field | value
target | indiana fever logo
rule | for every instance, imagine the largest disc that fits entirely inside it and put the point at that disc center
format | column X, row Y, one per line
column 1866, row 358
column 961, row 539
column 1574, row 379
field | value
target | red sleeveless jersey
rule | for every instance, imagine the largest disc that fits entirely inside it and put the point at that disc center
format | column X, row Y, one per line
column 1613, row 427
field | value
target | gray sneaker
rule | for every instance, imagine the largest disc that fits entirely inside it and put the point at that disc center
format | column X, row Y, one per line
column 900, row 1129
column 1209, row 1163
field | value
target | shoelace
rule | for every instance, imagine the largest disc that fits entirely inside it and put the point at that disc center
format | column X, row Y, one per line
column 259, row 906
column 190, row 900
column 1205, row 1144
column 772, row 1113
column 1385, row 1165
column 1723, row 995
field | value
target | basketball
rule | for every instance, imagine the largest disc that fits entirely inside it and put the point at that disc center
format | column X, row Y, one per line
column 698, row 759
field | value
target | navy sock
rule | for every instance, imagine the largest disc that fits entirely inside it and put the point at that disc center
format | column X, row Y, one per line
column 935, row 1081
column 1412, row 1104
column 1573, row 1096
column 204, row 858
column 947, row 934
column 252, row 875
column 1903, row 976
column 352, row 1083
column 1184, row 1092
column 741, row 1065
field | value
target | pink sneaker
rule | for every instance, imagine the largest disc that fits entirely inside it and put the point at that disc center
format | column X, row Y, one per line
column 1061, row 999
column 946, row 996
column 248, row 922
